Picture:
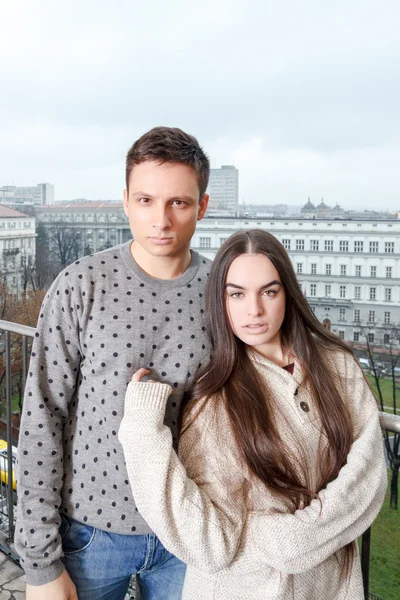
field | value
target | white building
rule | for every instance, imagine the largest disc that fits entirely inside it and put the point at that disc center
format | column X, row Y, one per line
column 349, row 269
column 98, row 225
column 16, row 196
column 223, row 189
column 17, row 247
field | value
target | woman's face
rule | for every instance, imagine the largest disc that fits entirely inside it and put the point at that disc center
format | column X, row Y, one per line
column 255, row 301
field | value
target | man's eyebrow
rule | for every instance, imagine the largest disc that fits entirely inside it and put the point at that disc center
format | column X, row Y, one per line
column 263, row 287
column 141, row 194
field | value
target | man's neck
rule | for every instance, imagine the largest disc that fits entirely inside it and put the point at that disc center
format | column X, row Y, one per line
column 161, row 267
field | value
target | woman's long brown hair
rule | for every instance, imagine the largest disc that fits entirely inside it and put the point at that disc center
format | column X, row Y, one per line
column 232, row 378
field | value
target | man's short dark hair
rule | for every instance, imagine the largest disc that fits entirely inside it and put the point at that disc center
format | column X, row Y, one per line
column 169, row 144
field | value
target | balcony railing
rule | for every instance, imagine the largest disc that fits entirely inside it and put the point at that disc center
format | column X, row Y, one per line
column 8, row 496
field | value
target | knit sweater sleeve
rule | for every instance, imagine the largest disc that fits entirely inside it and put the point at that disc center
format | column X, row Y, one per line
column 50, row 385
column 294, row 543
column 188, row 507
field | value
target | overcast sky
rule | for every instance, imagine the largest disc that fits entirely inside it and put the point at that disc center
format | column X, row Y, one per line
column 302, row 97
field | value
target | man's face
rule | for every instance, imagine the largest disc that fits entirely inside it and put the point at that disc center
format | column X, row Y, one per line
column 163, row 206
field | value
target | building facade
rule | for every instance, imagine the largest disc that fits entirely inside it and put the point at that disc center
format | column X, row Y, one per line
column 98, row 225
column 17, row 247
column 223, row 189
column 16, row 196
column 349, row 270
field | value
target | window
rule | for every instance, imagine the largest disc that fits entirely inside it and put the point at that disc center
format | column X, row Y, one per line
column 357, row 315
column 328, row 246
column 342, row 314
column 341, row 335
column 371, row 337
column 373, row 271
column 286, row 244
column 372, row 293
column 299, row 268
column 356, row 336
column 389, row 247
column 358, row 270
column 371, row 316
column 313, row 268
column 358, row 246
column 222, row 241
column 343, row 269
column 386, row 338
column 389, row 272
column 327, row 291
column 299, row 244
column 342, row 291
column 373, row 247
column 313, row 289
column 387, row 317
column 343, row 246
column 388, row 294
column 328, row 269
column 314, row 245
column 205, row 242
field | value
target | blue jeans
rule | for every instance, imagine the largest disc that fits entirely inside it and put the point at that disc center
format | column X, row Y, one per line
column 101, row 564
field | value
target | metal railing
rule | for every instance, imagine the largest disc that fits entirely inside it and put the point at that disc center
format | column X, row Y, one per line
column 388, row 422
column 7, row 523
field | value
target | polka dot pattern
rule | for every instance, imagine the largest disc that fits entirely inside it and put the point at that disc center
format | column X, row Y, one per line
column 102, row 319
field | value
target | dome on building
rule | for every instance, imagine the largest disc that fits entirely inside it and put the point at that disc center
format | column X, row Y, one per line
column 322, row 206
column 309, row 206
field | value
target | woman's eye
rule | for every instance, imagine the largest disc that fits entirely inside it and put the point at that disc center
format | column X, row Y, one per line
column 270, row 293
column 236, row 295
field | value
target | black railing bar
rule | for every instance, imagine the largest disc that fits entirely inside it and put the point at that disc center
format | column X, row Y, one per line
column 10, row 506
column 365, row 560
column 17, row 328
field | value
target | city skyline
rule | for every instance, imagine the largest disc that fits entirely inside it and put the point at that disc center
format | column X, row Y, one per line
column 303, row 100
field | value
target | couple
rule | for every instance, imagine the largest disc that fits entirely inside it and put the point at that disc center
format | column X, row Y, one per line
column 280, row 463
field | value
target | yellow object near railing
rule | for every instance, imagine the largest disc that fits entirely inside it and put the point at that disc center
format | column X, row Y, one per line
column 4, row 463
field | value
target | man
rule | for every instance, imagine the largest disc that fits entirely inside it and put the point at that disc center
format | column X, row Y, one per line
column 138, row 304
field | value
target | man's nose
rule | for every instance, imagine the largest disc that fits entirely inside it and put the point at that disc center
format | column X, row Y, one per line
column 161, row 219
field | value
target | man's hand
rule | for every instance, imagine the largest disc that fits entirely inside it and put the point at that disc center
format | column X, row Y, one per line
column 61, row 588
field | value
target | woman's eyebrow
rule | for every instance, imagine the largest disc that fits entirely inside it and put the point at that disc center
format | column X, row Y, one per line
column 263, row 287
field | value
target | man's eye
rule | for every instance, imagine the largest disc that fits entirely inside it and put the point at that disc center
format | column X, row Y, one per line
column 144, row 200
column 179, row 202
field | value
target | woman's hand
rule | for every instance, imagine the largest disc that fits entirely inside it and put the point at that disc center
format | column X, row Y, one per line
column 140, row 373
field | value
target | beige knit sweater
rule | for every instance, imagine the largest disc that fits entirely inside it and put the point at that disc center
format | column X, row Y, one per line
column 239, row 541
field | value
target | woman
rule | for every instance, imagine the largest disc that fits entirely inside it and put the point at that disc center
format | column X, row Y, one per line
column 280, row 463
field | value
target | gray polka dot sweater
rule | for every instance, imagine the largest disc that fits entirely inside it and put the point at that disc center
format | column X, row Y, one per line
column 102, row 319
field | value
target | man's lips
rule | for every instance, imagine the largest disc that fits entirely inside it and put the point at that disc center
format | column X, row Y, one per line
column 161, row 240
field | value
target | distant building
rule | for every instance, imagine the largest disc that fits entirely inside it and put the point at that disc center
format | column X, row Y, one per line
column 348, row 268
column 322, row 211
column 17, row 247
column 98, row 225
column 223, row 189
column 17, row 196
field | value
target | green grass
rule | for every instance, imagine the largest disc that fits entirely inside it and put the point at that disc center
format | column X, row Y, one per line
column 386, row 386
column 385, row 552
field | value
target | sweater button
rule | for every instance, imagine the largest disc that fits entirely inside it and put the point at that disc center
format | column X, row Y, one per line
column 296, row 391
column 304, row 406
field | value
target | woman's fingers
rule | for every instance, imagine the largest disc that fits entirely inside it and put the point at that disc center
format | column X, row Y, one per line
column 139, row 374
